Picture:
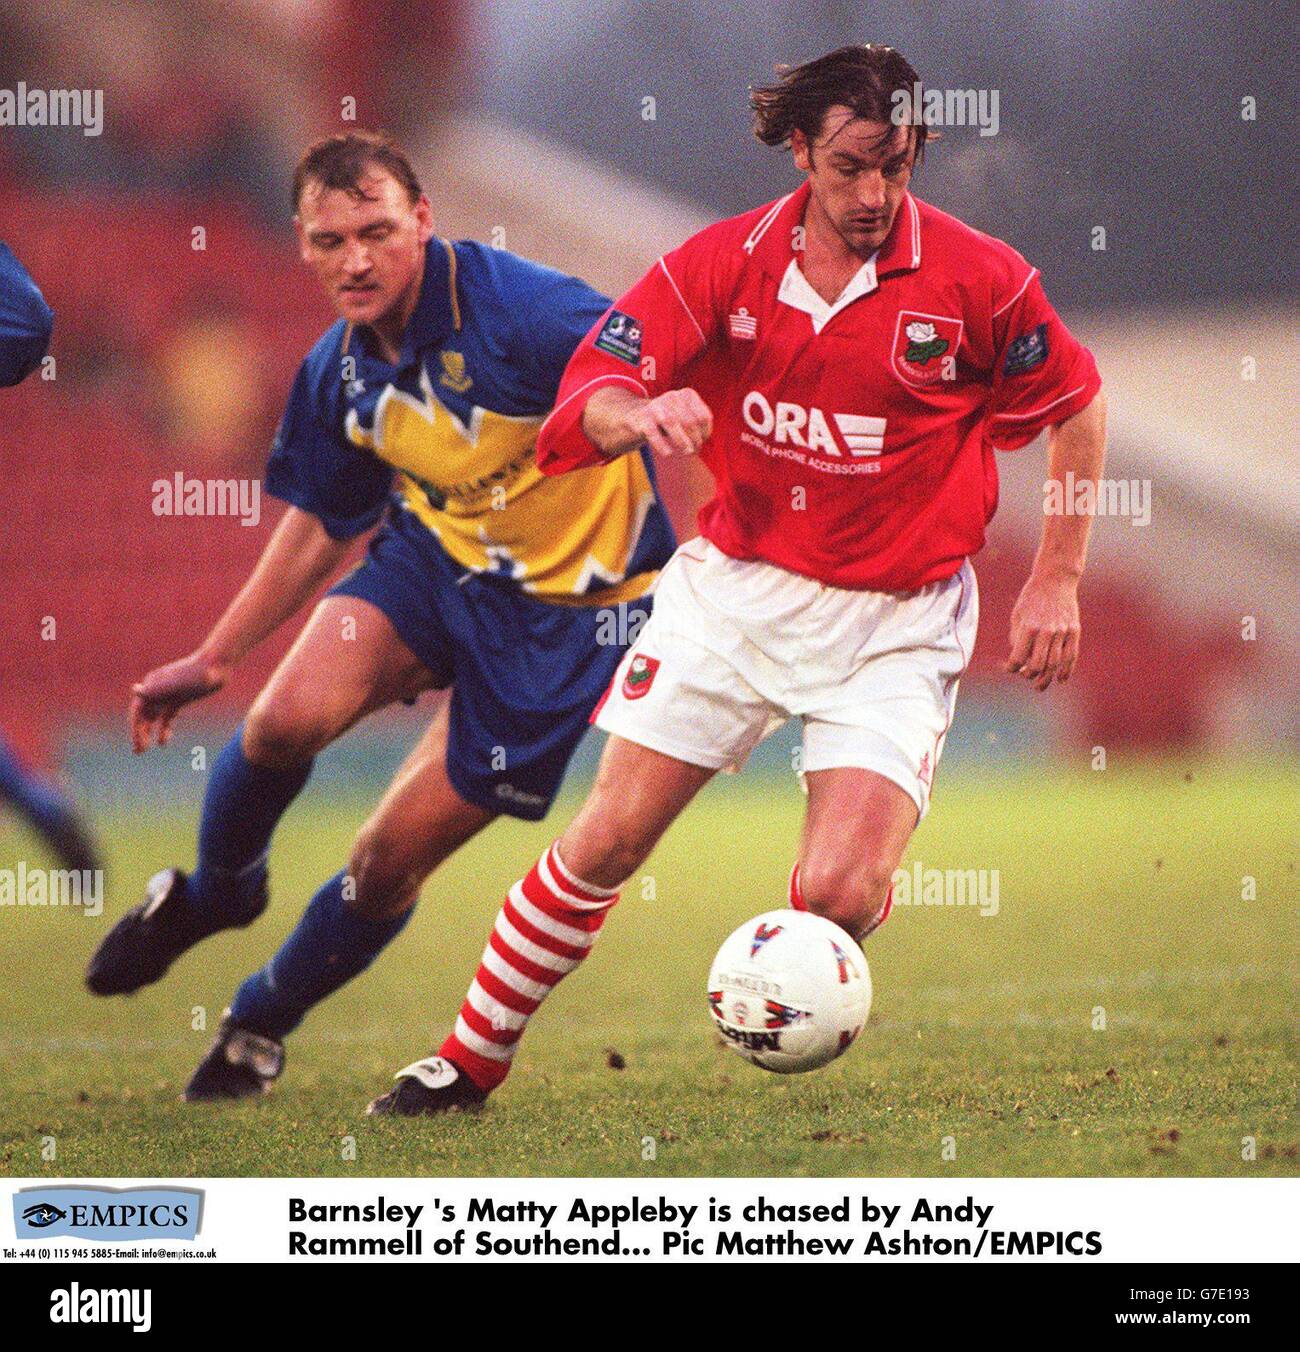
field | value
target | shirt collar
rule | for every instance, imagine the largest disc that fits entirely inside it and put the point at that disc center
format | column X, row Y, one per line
column 771, row 242
column 796, row 291
column 437, row 311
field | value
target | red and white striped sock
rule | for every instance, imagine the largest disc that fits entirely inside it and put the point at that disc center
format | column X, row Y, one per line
column 797, row 903
column 546, row 927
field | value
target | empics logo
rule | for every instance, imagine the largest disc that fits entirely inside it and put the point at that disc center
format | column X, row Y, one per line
column 108, row 1213
column 77, row 1304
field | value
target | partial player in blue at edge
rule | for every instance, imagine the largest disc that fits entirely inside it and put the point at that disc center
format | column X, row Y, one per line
column 26, row 325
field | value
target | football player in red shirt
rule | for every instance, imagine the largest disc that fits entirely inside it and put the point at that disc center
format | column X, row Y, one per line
column 845, row 360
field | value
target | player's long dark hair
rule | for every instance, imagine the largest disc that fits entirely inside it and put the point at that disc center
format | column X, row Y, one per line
column 865, row 77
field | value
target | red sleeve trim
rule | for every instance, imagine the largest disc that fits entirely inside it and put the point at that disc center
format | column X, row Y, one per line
column 677, row 291
column 1024, row 286
column 561, row 443
column 1012, row 438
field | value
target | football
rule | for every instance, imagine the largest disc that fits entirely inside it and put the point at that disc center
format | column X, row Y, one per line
column 789, row 991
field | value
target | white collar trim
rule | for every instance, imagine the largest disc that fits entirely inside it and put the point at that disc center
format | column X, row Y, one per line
column 797, row 291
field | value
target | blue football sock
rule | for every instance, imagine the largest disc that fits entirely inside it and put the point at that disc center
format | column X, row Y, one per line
column 330, row 946
column 36, row 797
column 241, row 809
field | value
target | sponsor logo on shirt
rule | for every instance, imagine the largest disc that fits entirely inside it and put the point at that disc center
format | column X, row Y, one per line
column 787, row 424
column 620, row 336
column 925, row 347
column 1026, row 352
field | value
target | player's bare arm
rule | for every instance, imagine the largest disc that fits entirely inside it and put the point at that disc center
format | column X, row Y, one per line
column 297, row 560
column 617, row 421
column 1045, row 619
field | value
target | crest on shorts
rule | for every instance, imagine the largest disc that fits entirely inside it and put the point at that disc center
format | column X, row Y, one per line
column 924, row 345
column 640, row 676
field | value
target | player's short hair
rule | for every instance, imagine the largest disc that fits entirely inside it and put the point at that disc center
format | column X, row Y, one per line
column 343, row 160
column 864, row 77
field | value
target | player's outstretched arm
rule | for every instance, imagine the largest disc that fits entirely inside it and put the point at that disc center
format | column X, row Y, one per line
column 1045, row 619
column 298, row 558
column 616, row 421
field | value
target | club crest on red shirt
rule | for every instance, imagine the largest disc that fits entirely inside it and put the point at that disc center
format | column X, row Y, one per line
column 640, row 676
column 923, row 344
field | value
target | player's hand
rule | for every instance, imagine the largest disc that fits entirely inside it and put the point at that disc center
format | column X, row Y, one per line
column 676, row 423
column 164, row 692
column 1045, row 629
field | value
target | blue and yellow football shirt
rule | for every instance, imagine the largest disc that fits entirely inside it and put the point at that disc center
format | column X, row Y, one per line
column 449, row 433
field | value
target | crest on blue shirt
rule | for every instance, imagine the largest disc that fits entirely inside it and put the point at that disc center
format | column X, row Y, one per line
column 1026, row 352
column 620, row 336
column 453, row 375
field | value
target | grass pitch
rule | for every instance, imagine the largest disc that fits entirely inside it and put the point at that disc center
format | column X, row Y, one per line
column 1119, row 903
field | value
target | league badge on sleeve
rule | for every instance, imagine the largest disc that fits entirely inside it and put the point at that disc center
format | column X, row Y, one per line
column 1026, row 352
column 620, row 336
column 924, row 346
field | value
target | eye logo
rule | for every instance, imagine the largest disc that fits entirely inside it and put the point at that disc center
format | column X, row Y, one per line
column 43, row 1215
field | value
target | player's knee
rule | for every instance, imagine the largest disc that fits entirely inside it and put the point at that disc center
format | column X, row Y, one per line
column 620, row 856
column 386, row 872
column 281, row 732
column 607, row 848
column 847, row 891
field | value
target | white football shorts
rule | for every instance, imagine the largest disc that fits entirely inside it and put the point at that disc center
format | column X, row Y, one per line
column 734, row 649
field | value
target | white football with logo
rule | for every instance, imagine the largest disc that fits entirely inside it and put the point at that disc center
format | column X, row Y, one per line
column 789, row 991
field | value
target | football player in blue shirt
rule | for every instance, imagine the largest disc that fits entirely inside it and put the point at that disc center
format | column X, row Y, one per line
column 26, row 323
column 416, row 413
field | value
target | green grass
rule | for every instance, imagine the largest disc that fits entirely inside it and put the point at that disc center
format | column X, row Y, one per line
column 1119, row 890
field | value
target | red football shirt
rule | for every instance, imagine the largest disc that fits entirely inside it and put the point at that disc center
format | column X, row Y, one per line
column 853, row 442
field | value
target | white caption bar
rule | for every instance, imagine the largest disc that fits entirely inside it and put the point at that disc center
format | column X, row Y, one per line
column 693, row 1220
